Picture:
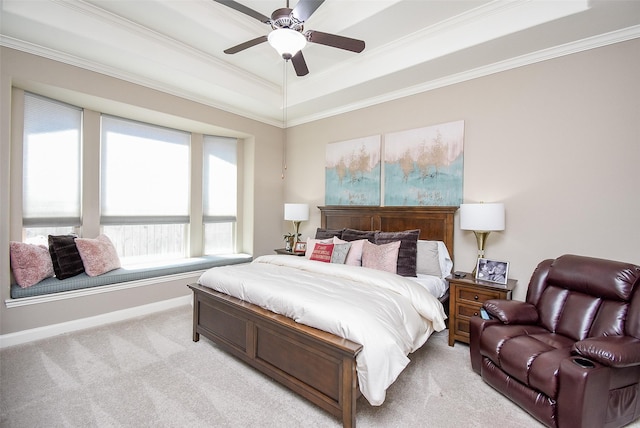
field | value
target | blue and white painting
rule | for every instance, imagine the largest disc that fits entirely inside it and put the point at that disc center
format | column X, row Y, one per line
column 352, row 172
column 424, row 166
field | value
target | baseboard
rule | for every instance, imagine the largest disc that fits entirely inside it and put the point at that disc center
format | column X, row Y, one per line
column 26, row 336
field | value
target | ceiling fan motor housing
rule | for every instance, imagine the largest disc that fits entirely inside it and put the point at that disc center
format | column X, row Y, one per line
column 283, row 18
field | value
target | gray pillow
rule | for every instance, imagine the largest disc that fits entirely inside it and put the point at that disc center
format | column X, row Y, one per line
column 428, row 261
column 340, row 252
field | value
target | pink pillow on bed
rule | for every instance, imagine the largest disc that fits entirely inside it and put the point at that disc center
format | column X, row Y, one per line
column 381, row 257
column 322, row 252
column 311, row 243
column 30, row 263
column 98, row 255
column 354, row 257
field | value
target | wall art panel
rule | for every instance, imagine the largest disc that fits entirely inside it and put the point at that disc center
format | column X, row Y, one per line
column 424, row 166
column 352, row 172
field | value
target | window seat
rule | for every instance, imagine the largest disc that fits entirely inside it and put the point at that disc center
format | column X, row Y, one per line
column 54, row 285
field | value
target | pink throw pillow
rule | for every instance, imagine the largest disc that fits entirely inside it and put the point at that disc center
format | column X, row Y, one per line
column 354, row 257
column 98, row 255
column 30, row 263
column 322, row 252
column 381, row 257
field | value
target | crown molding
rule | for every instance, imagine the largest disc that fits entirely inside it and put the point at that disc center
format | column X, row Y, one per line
column 521, row 61
column 93, row 66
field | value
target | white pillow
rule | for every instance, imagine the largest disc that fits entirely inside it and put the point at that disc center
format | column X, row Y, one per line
column 446, row 264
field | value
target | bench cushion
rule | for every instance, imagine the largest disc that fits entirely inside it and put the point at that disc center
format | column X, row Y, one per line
column 55, row 285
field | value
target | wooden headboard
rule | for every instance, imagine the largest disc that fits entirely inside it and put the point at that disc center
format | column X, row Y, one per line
column 435, row 223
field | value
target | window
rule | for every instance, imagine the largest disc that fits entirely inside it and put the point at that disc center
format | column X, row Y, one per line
column 143, row 184
column 51, row 168
column 145, row 189
column 220, row 194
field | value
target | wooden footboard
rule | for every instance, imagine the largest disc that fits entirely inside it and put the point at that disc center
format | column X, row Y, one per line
column 319, row 366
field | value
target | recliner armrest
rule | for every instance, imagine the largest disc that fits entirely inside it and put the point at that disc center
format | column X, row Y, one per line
column 612, row 351
column 512, row 311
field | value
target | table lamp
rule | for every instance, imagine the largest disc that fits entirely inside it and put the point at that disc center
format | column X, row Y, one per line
column 296, row 213
column 482, row 219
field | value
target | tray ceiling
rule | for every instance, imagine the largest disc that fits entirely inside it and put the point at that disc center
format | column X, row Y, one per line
column 411, row 46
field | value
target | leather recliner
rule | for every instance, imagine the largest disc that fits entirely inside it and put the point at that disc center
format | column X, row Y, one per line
column 570, row 354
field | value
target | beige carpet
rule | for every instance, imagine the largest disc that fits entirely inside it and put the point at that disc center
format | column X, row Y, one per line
column 148, row 373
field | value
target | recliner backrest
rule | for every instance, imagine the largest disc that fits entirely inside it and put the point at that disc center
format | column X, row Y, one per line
column 581, row 297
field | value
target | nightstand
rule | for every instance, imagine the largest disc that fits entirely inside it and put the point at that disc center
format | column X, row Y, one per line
column 466, row 296
column 290, row 253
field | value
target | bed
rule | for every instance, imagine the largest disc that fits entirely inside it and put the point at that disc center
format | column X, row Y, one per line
column 318, row 365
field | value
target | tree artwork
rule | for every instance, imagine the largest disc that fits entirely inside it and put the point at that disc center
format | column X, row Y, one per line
column 424, row 166
column 352, row 172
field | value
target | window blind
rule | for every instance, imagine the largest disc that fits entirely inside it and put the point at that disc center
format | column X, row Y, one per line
column 220, row 179
column 51, row 163
column 145, row 173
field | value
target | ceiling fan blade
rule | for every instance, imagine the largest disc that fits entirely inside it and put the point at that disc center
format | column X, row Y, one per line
column 299, row 64
column 305, row 8
column 335, row 41
column 245, row 45
column 244, row 9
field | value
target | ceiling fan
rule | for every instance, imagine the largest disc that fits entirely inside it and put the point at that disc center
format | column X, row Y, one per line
column 287, row 35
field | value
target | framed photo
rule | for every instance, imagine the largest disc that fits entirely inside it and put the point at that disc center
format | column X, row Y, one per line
column 300, row 247
column 492, row 271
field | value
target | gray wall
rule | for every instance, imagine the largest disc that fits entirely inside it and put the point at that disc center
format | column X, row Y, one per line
column 558, row 142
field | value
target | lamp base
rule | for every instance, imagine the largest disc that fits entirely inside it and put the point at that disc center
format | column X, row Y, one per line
column 296, row 226
column 481, row 238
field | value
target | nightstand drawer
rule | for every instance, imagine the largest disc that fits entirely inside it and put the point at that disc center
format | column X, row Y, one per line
column 476, row 294
column 462, row 328
column 469, row 311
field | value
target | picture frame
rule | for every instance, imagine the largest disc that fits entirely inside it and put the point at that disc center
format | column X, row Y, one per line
column 492, row 271
column 300, row 247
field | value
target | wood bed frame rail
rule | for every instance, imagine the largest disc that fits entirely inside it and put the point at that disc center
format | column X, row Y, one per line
column 317, row 365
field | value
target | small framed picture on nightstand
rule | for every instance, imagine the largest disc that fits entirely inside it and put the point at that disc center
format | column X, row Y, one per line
column 300, row 247
column 492, row 271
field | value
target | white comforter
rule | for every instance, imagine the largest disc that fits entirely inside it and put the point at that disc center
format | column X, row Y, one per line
column 389, row 315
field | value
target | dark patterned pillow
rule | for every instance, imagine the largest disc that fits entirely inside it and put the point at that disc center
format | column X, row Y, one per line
column 354, row 235
column 328, row 233
column 65, row 256
column 408, row 253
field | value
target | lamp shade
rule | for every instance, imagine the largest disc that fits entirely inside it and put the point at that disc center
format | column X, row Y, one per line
column 286, row 41
column 482, row 217
column 296, row 212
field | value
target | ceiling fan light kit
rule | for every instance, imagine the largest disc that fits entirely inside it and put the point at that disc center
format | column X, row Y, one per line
column 287, row 36
column 286, row 42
